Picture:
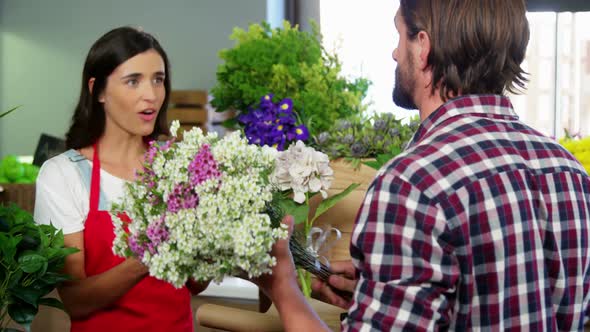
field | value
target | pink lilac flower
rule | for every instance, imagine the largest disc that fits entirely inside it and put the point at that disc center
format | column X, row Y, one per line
column 135, row 245
column 156, row 233
column 202, row 168
column 182, row 197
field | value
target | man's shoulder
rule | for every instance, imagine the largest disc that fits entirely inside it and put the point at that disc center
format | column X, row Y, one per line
column 469, row 149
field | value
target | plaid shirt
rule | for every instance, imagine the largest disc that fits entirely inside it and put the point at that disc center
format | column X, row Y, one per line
column 481, row 223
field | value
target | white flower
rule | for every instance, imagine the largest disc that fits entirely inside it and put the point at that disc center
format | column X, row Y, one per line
column 174, row 127
column 302, row 169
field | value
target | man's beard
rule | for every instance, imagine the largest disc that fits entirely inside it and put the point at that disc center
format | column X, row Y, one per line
column 402, row 91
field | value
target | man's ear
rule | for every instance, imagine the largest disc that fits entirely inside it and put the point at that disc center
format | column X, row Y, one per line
column 91, row 89
column 425, row 46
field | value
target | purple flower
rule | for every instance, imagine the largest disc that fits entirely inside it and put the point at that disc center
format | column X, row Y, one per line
column 301, row 133
column 323, row 137
column 272, row 124
column 202, row 168
column 286, row 119
column 358, row 150
column 286, row 106
column 135, row 246
column 347, row 139
column 266, row 100
column 156, row 233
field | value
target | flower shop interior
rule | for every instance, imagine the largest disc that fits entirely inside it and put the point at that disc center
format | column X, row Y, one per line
column 43, row 45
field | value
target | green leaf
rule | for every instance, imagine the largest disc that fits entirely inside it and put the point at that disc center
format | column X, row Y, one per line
column 9, row 111
column 8, row 246
column 27, row 294
column 63, row 252
column 298, row 211
column 31, row 262
column 29, row 242
column 230, row 123
column 54, row 278
column 328, row 203
column 43, row 269
column 4, row 225
column 49, row 253
column 23, row 314
column 15, row 278
column 394, row 151
column 42, row 288
column 384, row 158
column 58, row 240
column 52, row 302
column 18, row 229
column 43, row 238
column 373, row 164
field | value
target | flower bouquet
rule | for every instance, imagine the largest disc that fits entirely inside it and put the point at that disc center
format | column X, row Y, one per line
column 209, row 207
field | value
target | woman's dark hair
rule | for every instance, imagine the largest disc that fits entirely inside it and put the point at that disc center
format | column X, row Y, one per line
column 477, row 46
column 107, row 53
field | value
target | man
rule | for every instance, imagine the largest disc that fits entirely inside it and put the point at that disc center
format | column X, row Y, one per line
column 482, row 223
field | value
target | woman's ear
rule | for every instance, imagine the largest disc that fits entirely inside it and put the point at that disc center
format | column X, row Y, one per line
column 91, row 88
column 91, row 84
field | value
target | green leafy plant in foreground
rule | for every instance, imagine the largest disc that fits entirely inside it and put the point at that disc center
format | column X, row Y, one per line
column 32, row 257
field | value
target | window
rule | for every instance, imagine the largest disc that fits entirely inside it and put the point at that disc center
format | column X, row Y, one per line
column 558, row 60
column 363, row 36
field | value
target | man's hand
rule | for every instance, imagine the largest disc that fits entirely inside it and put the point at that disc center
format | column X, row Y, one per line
column 281, row 287
column 284, row 273
column 342, row 280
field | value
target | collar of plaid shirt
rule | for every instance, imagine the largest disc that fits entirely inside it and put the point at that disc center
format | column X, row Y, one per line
column 490, row 106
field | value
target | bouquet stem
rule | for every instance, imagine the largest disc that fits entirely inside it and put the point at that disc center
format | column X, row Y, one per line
column 305, row 281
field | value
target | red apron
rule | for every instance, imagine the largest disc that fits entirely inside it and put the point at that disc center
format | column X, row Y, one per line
column 151, row 305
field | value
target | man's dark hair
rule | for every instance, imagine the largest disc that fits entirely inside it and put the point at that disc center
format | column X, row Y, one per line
column 477, row 46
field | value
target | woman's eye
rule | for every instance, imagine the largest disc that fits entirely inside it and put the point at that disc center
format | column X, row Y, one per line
column 159, row 80
column 132, row 82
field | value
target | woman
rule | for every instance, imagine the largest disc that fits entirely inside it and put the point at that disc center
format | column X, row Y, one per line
column 123, row 101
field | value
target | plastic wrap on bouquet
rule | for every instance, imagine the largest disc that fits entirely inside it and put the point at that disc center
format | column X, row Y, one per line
column 311, row 256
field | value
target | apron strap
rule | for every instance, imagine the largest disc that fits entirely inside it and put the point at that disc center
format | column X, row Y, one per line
column 95, row 182
column 86, row 175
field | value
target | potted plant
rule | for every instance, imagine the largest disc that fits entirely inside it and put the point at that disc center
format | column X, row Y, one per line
column 286, row 63
column 32, row 258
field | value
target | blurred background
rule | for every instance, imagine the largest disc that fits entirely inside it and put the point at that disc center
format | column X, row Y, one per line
column 43, row 45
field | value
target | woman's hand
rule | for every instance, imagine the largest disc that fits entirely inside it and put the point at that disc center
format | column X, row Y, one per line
column 343, row 280
column 196, row 287
column 85, row 295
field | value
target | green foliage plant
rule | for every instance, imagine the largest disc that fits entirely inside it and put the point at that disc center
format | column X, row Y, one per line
column 32, row 257
column 288, row 63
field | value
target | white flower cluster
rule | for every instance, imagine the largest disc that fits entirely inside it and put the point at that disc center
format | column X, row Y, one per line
column 303, row 169
column 226, row 233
